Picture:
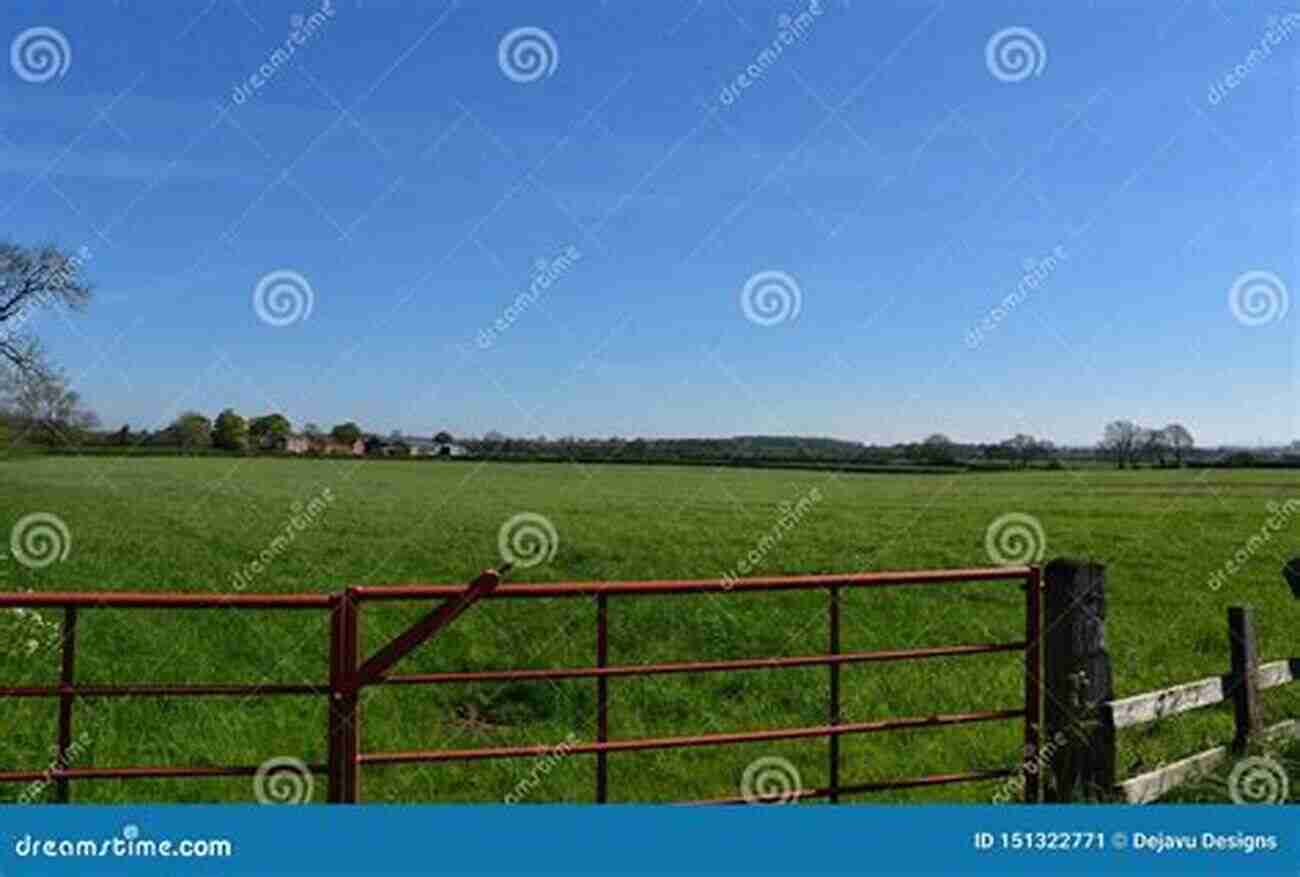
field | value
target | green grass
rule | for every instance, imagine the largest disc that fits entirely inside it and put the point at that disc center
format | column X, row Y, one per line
column 165, row 524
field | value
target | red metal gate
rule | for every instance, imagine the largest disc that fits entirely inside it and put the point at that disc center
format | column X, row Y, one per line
column 349, row 674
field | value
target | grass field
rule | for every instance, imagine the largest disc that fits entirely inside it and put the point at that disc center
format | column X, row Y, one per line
column 177, row 524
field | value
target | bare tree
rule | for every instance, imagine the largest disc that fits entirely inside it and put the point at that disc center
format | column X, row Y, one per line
column 32, row 278
column 44, row 403
column 1180, row 441
column 1154, row 444
column 1120, row 440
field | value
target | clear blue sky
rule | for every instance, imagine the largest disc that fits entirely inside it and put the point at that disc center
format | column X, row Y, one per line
column 878, row 161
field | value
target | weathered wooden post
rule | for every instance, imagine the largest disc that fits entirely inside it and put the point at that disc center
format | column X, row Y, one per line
column 1079, row 738
column 1291, row 572
column 1244, row 676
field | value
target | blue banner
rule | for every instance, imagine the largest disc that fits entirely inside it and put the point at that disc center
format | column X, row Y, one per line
column 378, row 839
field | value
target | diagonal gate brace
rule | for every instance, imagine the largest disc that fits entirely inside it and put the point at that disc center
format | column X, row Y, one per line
column 373, row 669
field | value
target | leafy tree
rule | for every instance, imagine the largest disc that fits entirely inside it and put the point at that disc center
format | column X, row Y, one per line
column 312, row 430
column 192, row 430
column 1023, row 448
column 443, row 438
column 937, row 448
column 348, row 433
column 269, row 426
column 1180, row 441
column 32, row 278
column 230, row 432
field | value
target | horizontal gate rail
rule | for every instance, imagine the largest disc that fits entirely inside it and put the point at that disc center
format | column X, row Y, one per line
column 938, row 779
column 704, row 586
column 700, row 666
column 648, row 743
column 136, row 773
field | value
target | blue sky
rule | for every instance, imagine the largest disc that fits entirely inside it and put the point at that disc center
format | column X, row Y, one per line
column 899, row 181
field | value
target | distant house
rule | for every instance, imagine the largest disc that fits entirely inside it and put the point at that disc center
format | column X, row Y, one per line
column 321, row 445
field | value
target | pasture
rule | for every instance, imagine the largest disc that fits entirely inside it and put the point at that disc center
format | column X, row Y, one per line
column 194, row 524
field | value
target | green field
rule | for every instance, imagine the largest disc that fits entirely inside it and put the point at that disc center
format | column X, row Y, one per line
column 179, row 524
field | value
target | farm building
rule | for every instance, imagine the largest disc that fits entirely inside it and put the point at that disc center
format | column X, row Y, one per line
column 321, row 445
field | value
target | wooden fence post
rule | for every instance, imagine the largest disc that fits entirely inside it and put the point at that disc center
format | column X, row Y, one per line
column 1291, row 572
column 1079, row 737
column 1244, row 687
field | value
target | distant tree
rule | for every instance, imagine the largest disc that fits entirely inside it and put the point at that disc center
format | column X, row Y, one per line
column 937, row 448
column 269, row 427
column 312, row 430
column 395, row 435
column 1154, row 445
column 31, row 278
column 122, row 437
column 348, row 433
column 1025, row 448
column 192, row 430
column 1180, row 441
column 443, row 438
column 4, row 436
column 1120, row 440
column 230, row 432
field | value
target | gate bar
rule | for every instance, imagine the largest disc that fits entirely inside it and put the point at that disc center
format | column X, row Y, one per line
column 638, row 745
column 602, row 697
column 61, row 790
column 1033, row 673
